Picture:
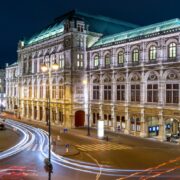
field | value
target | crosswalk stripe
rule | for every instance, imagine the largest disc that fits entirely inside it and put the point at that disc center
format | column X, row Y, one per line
column 101, row 147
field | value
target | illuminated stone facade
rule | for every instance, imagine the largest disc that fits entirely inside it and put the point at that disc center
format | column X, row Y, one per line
column 133, row 76
column 2, row 90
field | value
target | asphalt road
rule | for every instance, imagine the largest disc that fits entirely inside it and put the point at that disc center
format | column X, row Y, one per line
column 123, row 157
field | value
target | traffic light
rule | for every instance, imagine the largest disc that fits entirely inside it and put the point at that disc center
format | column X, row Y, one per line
column 48, row 166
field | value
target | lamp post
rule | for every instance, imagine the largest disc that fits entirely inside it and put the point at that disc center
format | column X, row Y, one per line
column 86, row 83
column 47, row 67
column 172, row 125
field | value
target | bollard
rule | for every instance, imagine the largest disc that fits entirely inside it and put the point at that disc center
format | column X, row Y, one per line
column 67, row 148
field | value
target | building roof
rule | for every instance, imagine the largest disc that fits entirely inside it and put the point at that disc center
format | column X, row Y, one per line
column 98, row 24
column 140, row 31
column 13, row 64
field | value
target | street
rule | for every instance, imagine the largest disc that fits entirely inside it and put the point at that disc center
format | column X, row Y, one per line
column 122, row 157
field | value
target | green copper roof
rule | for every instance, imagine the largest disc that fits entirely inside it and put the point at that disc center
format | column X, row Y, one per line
column 141, row 31
column 98, row 24
column 47, row 33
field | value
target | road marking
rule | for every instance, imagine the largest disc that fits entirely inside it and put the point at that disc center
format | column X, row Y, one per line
column 100, row 166
column 154, row 168
column 101, row 147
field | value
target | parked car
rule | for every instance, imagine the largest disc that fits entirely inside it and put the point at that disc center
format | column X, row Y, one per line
column 175, row 139
column 2, row 126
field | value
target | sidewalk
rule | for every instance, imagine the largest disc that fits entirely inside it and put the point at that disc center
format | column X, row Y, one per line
column 110, row 137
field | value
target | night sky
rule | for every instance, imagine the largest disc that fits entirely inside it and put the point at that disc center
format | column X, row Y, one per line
column 23, row 18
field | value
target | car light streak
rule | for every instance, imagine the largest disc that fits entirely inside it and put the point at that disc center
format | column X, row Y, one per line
column 25, row 142
column 31, row 135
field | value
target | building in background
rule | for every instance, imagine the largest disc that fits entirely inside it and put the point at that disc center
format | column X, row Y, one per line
column 132, row 73
column 12, row 98
column 2, row 90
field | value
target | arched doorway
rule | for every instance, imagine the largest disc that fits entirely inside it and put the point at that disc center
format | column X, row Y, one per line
column 79, row 118
column 41, row 113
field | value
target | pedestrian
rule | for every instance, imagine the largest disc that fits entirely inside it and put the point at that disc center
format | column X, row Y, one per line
column 107, row 138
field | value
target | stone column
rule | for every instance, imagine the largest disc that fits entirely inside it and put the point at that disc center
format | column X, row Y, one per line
column 113, row 115
column 143, row 132
column 38, row 112
column 27, row 106
column 33, row 110
column 44, row 112
column 113, row 57
column 161, row 126
column 127, row 128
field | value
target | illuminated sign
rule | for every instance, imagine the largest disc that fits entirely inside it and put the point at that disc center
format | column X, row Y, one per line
column 100, row 129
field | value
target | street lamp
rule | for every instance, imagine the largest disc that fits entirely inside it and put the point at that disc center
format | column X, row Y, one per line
column 47, row 67
column 85, row 82
column 172, row 125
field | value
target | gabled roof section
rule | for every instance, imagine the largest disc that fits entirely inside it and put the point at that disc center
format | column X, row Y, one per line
column 141, row 31
column 13, row 64
column 98, row 24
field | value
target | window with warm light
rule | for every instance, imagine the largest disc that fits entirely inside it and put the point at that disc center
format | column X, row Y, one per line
column 47, row 89
column 41, row 90
column 61, row 91
column 79, row 61
column 96, row 61
column 54, row 91
column 121, row 57
column 152, row 53
column 172, row 50
column 30, row 91
column 107, row 59
column 61, row 61
column 135, row 55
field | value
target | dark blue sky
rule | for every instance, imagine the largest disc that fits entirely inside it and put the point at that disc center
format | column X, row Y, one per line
column 23, row 18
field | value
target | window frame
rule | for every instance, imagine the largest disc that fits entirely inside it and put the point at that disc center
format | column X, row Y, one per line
column 152, row 53
column 172, row 50
column 96, row 61
column 135, row 55
column 121, row 54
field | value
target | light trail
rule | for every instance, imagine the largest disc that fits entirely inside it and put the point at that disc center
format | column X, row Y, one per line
column 31, row 135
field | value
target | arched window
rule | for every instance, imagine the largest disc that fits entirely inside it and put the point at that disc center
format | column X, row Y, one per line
column 35, row 89
column 30, row 90
column 172, row 50
column 61, row 61
column 41, row 89
column 152, row 53
column 47, row 89
column 135, row 55
column 54, row 89
column 96, row 89
column 61, row 90
column 96, row 61
column 107, row 59
column 121, row 57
